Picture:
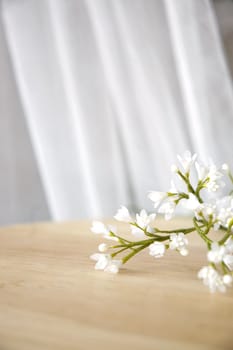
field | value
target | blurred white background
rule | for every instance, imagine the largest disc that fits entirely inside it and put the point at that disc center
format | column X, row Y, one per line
column 98, row 96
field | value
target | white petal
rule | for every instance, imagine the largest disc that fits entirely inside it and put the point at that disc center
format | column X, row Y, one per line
column 227, row 280
column 157, row 249
column 103, row 247
column 123, row 215
column 102, row 262
column 228, row 260
column 98, row 227
column 95, row 256
column 143, row 213
column 113, row 266
column 184, row 251
column 187, row 160
column 203, row 272
column 202, row 171
column 157, row 197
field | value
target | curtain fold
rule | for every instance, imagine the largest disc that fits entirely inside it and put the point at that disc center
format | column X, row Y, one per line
column 112, row 90
column 205, row 81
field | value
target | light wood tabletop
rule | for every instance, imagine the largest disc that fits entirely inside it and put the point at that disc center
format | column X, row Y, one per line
column 52, row 298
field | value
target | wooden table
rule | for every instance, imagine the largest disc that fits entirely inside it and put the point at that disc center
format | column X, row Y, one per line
column 52, row 298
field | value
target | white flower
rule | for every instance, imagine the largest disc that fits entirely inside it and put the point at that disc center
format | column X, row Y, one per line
column 179, row 242
column 210, row 176
column 102, row 247
column 227, row 280
column 206, row 210
column 143, row 220
column 106, row 263
column 224, row 210
column 204, row 272
column 214, row 177
column 157, row 249
column 202, row 171
column 217, row 253
column 165, row 201
column 98, row 227
column 187, row 160
column 224, row 216
column 167, row 208
column 212, row 279
column 222, row 253
column 225, row 167
column 157, row 197
column 113, row 266
column 102, row 260
column 123, row 215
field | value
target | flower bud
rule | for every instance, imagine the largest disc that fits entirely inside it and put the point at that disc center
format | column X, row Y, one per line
column 225, row 167
column 184, row 252
column 103, row 247
column 227, row 279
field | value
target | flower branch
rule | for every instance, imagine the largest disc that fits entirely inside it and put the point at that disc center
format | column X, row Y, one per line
column 211, row 211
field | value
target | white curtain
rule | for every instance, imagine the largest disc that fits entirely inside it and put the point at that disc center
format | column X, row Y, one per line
column 112, row 90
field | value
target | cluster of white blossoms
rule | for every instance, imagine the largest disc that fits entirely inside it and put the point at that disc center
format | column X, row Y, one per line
column 197, row 187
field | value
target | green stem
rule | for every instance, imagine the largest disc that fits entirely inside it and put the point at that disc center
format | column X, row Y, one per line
column 149, row 234
column 230, row 176
column 200, row 186
column 119, row 251
column 228, row 233
column 224, row 239
column 121, row 240
column 203, row 234
column 197, row 193
column 132, row 244
column 186, row 180
column 190, row 187
column 185, row 231
column 156, row 238
column 130, row 255
column 213, row 265
column 225, row 268
column 145, row 243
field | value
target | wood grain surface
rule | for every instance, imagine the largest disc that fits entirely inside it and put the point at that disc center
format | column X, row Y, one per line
column 52, row 298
